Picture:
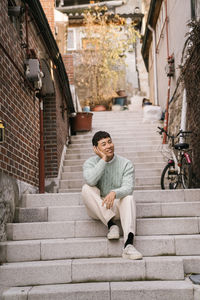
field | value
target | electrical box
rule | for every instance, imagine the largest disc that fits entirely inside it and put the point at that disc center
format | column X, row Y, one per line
column 32, row 69
column 33, row 72
column 170, row 68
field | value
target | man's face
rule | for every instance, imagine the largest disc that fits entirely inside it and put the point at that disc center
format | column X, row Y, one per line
column 107, row 147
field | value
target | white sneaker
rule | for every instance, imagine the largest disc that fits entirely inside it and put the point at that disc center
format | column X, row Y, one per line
column 113, row 233
column 131, row 253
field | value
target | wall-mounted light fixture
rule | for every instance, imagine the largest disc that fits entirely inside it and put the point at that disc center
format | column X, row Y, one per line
column 2, row 130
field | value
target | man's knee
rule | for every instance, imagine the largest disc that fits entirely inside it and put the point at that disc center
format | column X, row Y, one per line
column 85, row 188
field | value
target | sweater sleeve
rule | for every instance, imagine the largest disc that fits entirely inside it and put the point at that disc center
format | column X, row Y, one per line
column 92, row 171
column 128, row 182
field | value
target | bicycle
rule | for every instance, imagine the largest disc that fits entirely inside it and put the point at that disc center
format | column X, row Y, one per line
column 178, row 171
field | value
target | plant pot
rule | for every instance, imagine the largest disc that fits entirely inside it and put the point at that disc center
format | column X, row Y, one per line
column 82, row 121
column 119, row 101
column 99, row 108
column 86, row 108
column 121, row 93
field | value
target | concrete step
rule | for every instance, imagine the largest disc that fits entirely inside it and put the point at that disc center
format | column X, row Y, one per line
column 151, row 196
column 70, row 161
column 137, row 188
column 92, row 228
column 138, row 173
column 140, row 143
column 134, row 154
column 54, row 249
column 77, row 183
column 121, row 136
column 117, row 141
column 140, row 290
column 78, row 212
column 88, row 270
column 124, row 130
column 139, row 167
column 141, row 148
column 127, row 125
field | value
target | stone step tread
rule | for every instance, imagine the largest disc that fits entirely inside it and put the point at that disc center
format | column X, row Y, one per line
column 146, row 179
column 139, row 167
column 137, row 188
column 152, row 196
column 55, row 249
column 148, row 148
column 89, row 228
column 138, row 162
column 139, row 290
column 80, row 172
column 93, row 269
column 78, row 212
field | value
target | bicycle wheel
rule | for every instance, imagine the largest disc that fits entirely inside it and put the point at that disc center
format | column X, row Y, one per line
column 169, row 178
column 186, row 173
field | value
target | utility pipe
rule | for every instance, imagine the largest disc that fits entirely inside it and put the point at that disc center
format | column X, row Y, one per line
column 183, row 115
column 41, row 150
column 154, row 65
column 169, row 80
column 27, row 36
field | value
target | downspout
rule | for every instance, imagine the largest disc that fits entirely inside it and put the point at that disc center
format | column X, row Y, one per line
column 154, row 65
column 169, row 81
column 27, row 35
column 41, row 149
column 183, row 115
column 136, row 67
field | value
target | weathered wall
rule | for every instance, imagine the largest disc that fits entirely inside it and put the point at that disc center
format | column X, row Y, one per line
column 191, row 75
column 19, row 111
column 19, row 107
column 9, row 199
column 179, row 13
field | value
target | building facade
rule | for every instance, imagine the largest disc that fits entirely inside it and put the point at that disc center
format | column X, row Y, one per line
column 35, row 101
column 164, row 52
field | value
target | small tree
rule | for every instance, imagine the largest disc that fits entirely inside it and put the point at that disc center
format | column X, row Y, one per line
column 100, row 65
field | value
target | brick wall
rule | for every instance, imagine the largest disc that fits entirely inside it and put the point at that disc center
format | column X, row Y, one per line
column 19, row 109
column 68, row 62
column 48, row 7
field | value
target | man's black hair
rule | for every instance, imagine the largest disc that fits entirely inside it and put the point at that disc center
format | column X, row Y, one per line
column 99, row 135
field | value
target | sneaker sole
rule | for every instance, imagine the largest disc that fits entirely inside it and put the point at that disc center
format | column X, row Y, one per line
column 114, row 237
column 129, row 256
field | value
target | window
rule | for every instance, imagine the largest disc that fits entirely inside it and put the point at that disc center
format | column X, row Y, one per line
column 71, row 39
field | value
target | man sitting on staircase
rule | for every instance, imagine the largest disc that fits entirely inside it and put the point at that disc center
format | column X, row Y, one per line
column 108, row 192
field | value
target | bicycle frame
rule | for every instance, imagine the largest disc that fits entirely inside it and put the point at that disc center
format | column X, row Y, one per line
column 179, row 165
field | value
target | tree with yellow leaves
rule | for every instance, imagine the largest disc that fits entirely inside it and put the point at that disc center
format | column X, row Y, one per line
column 101, row 68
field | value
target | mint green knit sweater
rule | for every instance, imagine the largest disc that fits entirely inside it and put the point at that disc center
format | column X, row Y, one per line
column 117, row 175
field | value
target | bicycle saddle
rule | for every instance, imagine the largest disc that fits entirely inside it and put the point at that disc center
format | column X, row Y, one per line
column 181, row 146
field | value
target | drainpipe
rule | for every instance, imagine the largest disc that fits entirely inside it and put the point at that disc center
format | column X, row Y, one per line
column 41, row 150
column 154, row 65
column 183, row 115
column 27, row 33
column 169, row 81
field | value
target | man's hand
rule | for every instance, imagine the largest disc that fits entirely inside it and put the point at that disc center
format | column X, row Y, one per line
column 109, row 200
column 100, row 153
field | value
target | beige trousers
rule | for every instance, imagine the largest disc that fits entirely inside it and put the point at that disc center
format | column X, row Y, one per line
column 123, row 209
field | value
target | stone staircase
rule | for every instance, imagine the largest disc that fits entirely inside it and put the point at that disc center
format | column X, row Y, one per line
column 133, row 139
column 55, row 251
